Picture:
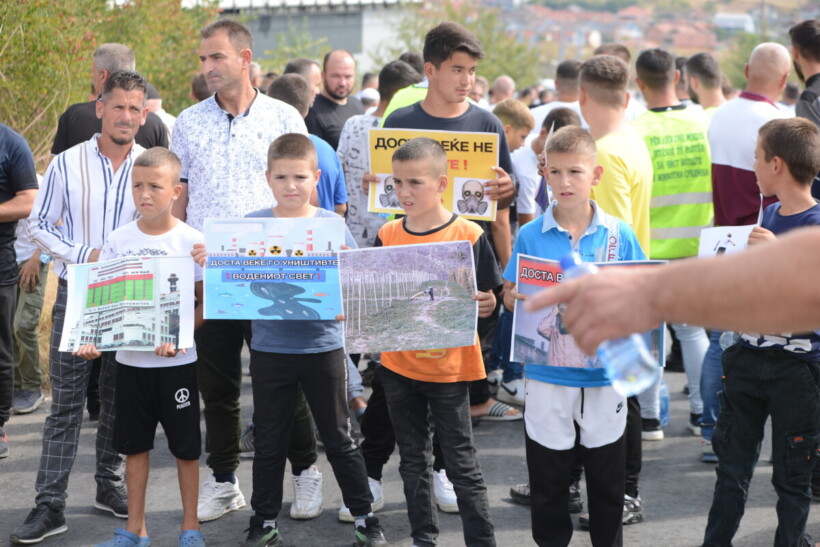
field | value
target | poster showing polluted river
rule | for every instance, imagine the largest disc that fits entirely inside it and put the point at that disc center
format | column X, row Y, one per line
column 273, row 268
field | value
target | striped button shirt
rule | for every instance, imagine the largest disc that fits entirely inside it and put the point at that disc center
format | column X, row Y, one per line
column 92, row 200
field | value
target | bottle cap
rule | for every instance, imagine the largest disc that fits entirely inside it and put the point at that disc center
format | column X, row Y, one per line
column 569, row 260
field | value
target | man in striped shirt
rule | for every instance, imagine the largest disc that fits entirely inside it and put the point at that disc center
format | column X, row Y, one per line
column 87, row 187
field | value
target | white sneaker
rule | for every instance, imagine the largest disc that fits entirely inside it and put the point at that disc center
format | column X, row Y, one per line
column 511, row 392
column 377, row 505
column 307, row 494
column 495, row 376
column 443, row 493
column 217, row 498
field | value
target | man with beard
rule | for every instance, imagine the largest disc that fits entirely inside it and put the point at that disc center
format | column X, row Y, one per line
column 88, row 188
column 334, row 105
column 703, row 79
column 806, row 57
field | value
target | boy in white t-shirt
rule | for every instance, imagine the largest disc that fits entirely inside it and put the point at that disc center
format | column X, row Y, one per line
column 151, row 387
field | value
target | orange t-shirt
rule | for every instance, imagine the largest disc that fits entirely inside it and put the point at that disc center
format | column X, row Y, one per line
column 463, row 364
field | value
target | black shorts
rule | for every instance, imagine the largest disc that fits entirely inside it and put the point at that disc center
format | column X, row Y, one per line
column 148, row 396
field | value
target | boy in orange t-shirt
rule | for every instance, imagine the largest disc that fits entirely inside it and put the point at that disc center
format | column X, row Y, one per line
column 435, row 383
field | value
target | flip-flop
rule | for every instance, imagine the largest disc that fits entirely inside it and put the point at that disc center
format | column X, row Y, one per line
column 498, row 413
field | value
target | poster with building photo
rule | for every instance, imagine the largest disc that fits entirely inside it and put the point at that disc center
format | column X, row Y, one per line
column 409, row 297
column 540, row 337
column 273, row 268
column 131, row 303
column 470, row 158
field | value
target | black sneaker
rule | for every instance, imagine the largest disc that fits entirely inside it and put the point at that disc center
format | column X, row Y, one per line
column 111, row 497
column 576, row 504
column 651, row 429
column 694, row 424
column 370, row 534
column 260, row 535
column 41, row 522
column 520, row 493
column 4, row 444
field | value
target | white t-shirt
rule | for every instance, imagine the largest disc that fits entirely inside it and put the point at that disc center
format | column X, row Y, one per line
column 129, row 240
column 525, row 165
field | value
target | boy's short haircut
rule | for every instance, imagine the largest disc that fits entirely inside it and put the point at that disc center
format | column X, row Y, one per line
column 572, row 140
column 617, row 50
column 791, row 91
column 159, row 156
column 605, row 79
column 448, row 38
column 656, row 68
column 394, row 76
column 561, row 117
column 199, row 87
column 797, row 142
column 567, row 73
column 414, row 59
column 238, row 34
column 726, row 85
column 705, row 67
column 294, row 90
column 805, row 37
column 515, row 113
column 421, row 149
column 293, row 146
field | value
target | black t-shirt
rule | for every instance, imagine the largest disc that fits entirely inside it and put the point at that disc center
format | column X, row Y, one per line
column 80, row 122
column 475, row 119
column 16, row 174
column 325, row 118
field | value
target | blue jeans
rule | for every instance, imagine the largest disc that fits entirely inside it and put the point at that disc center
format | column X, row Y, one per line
column 414, row 407
column 711, row 382
column 759, row 383
column 502, row 344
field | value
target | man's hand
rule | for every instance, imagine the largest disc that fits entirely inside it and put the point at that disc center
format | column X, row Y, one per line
column 94, row 255
column 760, row 235
column 486, row 303
column 612, row 304
column 367, row 180
column 30, row 273
column 87, row 352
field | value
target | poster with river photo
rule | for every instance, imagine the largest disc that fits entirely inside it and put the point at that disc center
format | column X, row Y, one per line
column 409, row 297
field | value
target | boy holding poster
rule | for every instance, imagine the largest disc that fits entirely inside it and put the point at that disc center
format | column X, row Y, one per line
column 433, row 386
column 563, row 395
column 145, row 381
column 288, row 353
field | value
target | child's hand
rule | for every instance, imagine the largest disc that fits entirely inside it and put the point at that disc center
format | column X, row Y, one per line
column 167, row 349
column 500, row 188
column 199, row 253
column 486, row 303
column 341, row 317
column 345, row 248
column 367, row 180
column 87, row 352
column 760, row 235
column 510, row 296
column 542, row 165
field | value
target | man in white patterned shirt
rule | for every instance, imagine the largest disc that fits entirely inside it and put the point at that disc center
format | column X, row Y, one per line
column 223, row 143
column 88, row 188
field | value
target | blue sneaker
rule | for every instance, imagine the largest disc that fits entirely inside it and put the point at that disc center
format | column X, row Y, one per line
column 191, row 538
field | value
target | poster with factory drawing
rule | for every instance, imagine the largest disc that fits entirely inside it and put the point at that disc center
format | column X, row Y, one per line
column 541, row 337
column 409, row 297
column 273, row 268
column 130, row 303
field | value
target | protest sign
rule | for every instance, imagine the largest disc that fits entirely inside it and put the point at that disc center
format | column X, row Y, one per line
column 273, row 268
column 470, row 157
column 130, row 303
column 409, row 297
column 540, row 337
column 724, row 240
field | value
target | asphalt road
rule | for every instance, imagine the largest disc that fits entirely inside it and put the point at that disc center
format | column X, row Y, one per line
column 675, row 486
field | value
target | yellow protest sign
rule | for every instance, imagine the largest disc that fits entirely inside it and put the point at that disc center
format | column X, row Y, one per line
column 470, row 157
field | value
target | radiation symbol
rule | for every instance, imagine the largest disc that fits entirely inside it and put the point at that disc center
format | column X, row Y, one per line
column 276, row 249
column 298, row 252
column 251, row 253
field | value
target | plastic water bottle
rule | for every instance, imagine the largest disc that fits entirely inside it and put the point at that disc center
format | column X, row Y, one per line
column 664, row 397
column 628, row 363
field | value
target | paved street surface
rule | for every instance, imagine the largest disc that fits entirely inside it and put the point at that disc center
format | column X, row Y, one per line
column 675, row 486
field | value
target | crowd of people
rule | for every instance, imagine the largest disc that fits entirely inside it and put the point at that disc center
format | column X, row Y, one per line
column 620, row 161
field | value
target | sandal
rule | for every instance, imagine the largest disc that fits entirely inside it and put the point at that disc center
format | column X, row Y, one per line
column 498, row 412
column 124, row 538
column 191, row 538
